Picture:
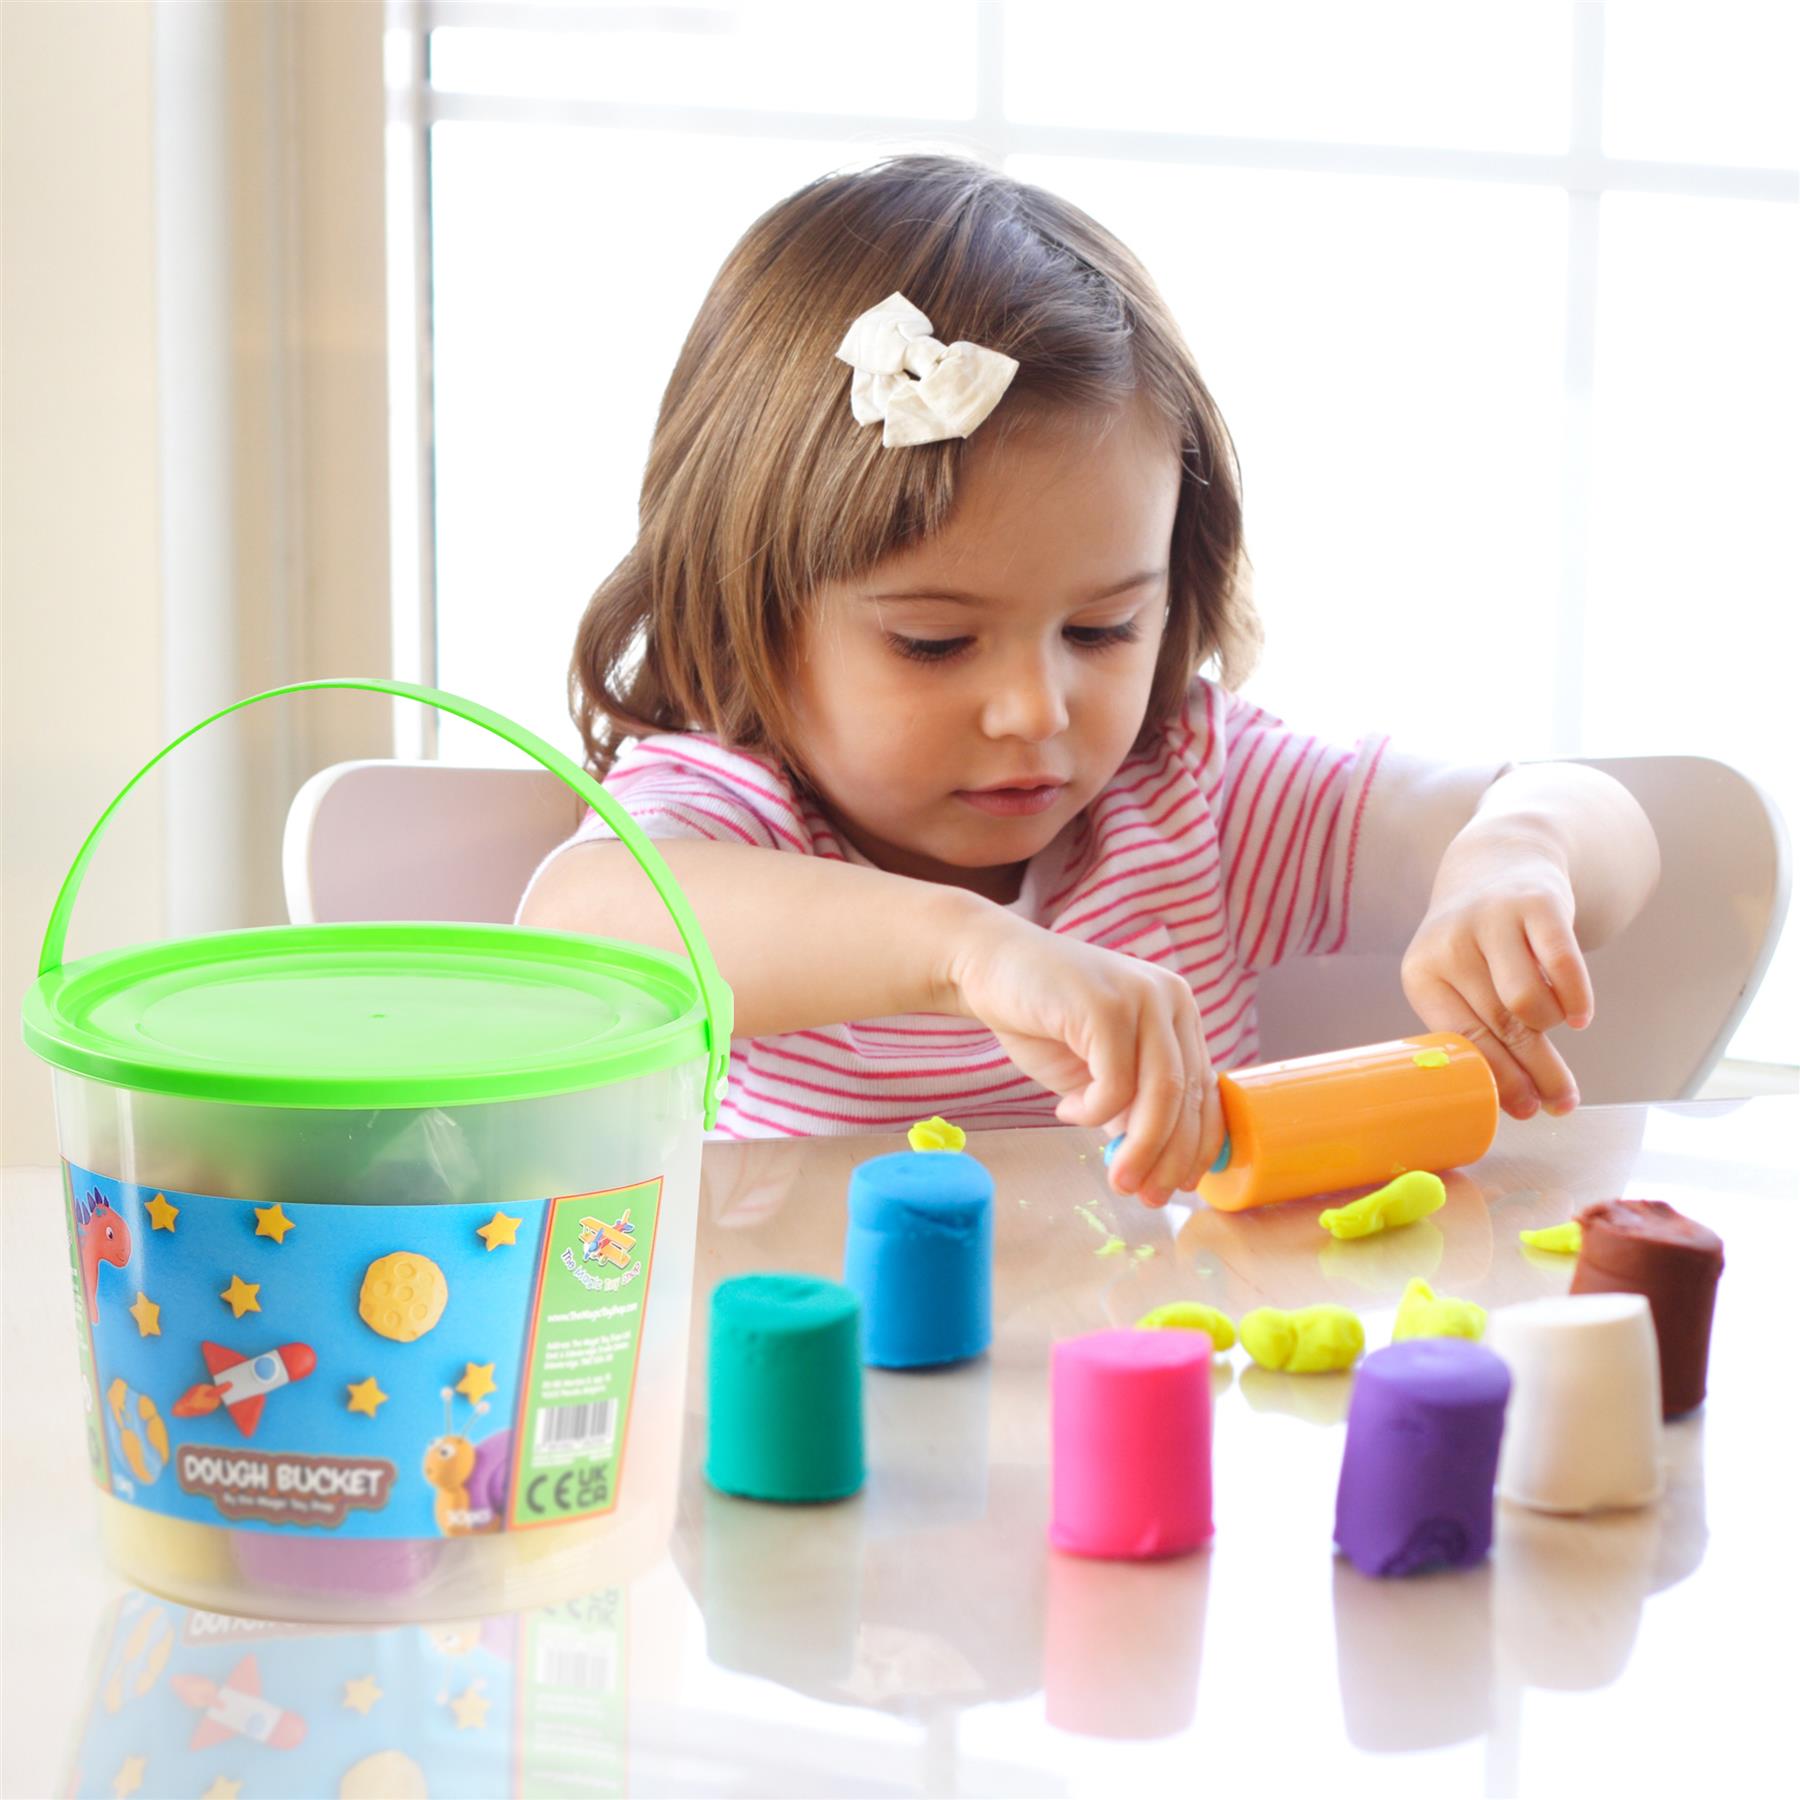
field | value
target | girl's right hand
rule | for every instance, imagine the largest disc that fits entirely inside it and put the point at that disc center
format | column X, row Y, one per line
column 1118, row 1039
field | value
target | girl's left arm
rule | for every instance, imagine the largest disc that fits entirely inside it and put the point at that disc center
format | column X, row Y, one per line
column 1557, row 859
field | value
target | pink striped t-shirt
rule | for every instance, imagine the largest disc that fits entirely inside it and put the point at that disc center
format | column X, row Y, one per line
column 1226, row 845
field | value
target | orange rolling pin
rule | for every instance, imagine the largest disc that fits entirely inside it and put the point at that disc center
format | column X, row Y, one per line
column 1351, row 1118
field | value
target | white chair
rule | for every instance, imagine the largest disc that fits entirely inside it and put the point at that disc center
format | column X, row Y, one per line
column 419, row 840
column 398, row 840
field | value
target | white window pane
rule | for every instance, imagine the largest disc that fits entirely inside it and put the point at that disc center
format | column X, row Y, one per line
column 1388, row 356
column 776, row 58
column 1694, row 572
column 1711, row 84
column 564, row 285
column 1464, row 76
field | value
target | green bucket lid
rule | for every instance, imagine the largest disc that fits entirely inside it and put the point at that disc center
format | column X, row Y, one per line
column 363, row 1016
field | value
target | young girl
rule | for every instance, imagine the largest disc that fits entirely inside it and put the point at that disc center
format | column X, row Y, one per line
column 939, row 526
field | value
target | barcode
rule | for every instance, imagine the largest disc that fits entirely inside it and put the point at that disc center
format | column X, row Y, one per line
column 559, row 1666
column 589, row 1426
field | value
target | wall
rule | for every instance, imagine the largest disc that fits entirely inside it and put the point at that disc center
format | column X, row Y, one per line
column 194, row 477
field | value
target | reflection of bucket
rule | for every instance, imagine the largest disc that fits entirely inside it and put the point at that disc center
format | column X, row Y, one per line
column 184, row 1701
column 369, row 1214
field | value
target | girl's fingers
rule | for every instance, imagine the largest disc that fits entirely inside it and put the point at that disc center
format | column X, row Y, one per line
column 1517, row 981
column 1112, row 1058
column 1209, row 1117
column 1552, row 943
column 1155, row 1113
column 1174, row 1168
column 1447, row 1007
column 1489, row 985
column 1529, row 1050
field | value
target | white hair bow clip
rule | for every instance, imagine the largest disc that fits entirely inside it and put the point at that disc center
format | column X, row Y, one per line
column 919, row 389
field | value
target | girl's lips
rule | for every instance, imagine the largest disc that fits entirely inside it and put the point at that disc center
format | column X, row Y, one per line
column 1014, row 803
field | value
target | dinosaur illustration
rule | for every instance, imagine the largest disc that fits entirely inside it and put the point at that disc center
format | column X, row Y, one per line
column 102, row 1236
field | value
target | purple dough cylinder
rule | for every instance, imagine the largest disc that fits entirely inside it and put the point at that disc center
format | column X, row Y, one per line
column 334, row 1567
column 1417, row 1487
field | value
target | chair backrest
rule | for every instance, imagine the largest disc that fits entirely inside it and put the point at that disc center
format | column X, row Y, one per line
column 396, row 840
column 1669, row 991
column 419, row 840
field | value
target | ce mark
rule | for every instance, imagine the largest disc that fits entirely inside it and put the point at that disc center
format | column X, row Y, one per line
column 559, row 1490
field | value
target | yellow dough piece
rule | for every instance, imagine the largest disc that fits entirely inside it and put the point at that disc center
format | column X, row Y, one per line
column 936, row 1134
column 158, row 1552
column 1192, row 1315
column 1425, row 1314
column 1406, row 1198
column 1311, row 1341
column 403, row 1295
column 1562, row 1240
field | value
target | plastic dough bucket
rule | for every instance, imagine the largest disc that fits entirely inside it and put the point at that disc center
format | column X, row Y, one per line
column 382, row 1243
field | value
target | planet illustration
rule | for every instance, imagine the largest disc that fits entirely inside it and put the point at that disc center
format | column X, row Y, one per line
column 139, row 1436
column 403, row 1295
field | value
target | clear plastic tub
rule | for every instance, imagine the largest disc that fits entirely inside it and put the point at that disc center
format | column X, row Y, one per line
column 418, row 1355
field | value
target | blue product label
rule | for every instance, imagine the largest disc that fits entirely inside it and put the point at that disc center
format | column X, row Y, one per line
column 357, row 1371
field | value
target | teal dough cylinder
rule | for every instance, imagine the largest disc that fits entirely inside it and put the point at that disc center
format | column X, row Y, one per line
column 784, row 1389
column 919, row 1253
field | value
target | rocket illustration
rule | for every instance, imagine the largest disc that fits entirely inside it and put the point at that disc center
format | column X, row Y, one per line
column 235, row 1707
column 242, row 1383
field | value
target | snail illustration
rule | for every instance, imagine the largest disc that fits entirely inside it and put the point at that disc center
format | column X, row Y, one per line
column 471, row 1479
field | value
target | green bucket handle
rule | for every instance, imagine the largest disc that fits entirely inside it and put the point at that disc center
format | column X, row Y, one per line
column 714, row 994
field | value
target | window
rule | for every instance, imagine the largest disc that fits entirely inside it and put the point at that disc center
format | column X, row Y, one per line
column 1496, row 298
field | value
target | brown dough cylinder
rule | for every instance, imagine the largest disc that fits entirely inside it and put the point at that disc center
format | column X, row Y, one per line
column 1646, row 1247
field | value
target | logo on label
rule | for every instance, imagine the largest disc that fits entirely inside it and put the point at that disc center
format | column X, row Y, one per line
column 284, row 1488
column 612, row 1249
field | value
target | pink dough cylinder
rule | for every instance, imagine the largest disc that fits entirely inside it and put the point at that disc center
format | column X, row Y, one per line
column 1131, row 1443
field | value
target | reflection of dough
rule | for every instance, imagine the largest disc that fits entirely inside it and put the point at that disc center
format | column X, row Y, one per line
column 403, row 1296
column 387, row 1775
column 1091, row 1608
column 1379, row 1265
column 1415, row 1657
column 1318, row 1399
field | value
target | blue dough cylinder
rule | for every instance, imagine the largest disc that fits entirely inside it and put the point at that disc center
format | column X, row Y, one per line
column 784, row 1389
column 920, row 1255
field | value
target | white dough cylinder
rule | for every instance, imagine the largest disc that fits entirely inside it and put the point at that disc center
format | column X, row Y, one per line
column 1584, row 1428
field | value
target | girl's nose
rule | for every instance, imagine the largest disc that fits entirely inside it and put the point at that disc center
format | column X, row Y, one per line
column 1027, row 703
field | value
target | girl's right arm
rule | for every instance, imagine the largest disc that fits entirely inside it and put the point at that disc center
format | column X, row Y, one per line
column 807, row 941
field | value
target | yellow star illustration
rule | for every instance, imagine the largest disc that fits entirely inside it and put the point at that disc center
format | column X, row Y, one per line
column 365, row 1396
column 241, row 1296
column 361, row 1694
column 130, row 1776
column 470, row 1708
column 478, row 1381
column 502, row 1228
column 272, row 1222
column 162, row 1214
column 223, row 1788
column 147, row 1314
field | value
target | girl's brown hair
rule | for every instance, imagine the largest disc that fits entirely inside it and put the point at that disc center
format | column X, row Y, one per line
column 760, row 485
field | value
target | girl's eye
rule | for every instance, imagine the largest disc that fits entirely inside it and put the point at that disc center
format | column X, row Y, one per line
column 928, row 649
column 1084, row 637
column 1102, row 637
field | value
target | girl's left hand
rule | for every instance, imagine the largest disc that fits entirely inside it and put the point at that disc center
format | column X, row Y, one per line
column 1496, row 960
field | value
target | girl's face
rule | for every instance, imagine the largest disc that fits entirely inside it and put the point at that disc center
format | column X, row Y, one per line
column 1013, row 651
